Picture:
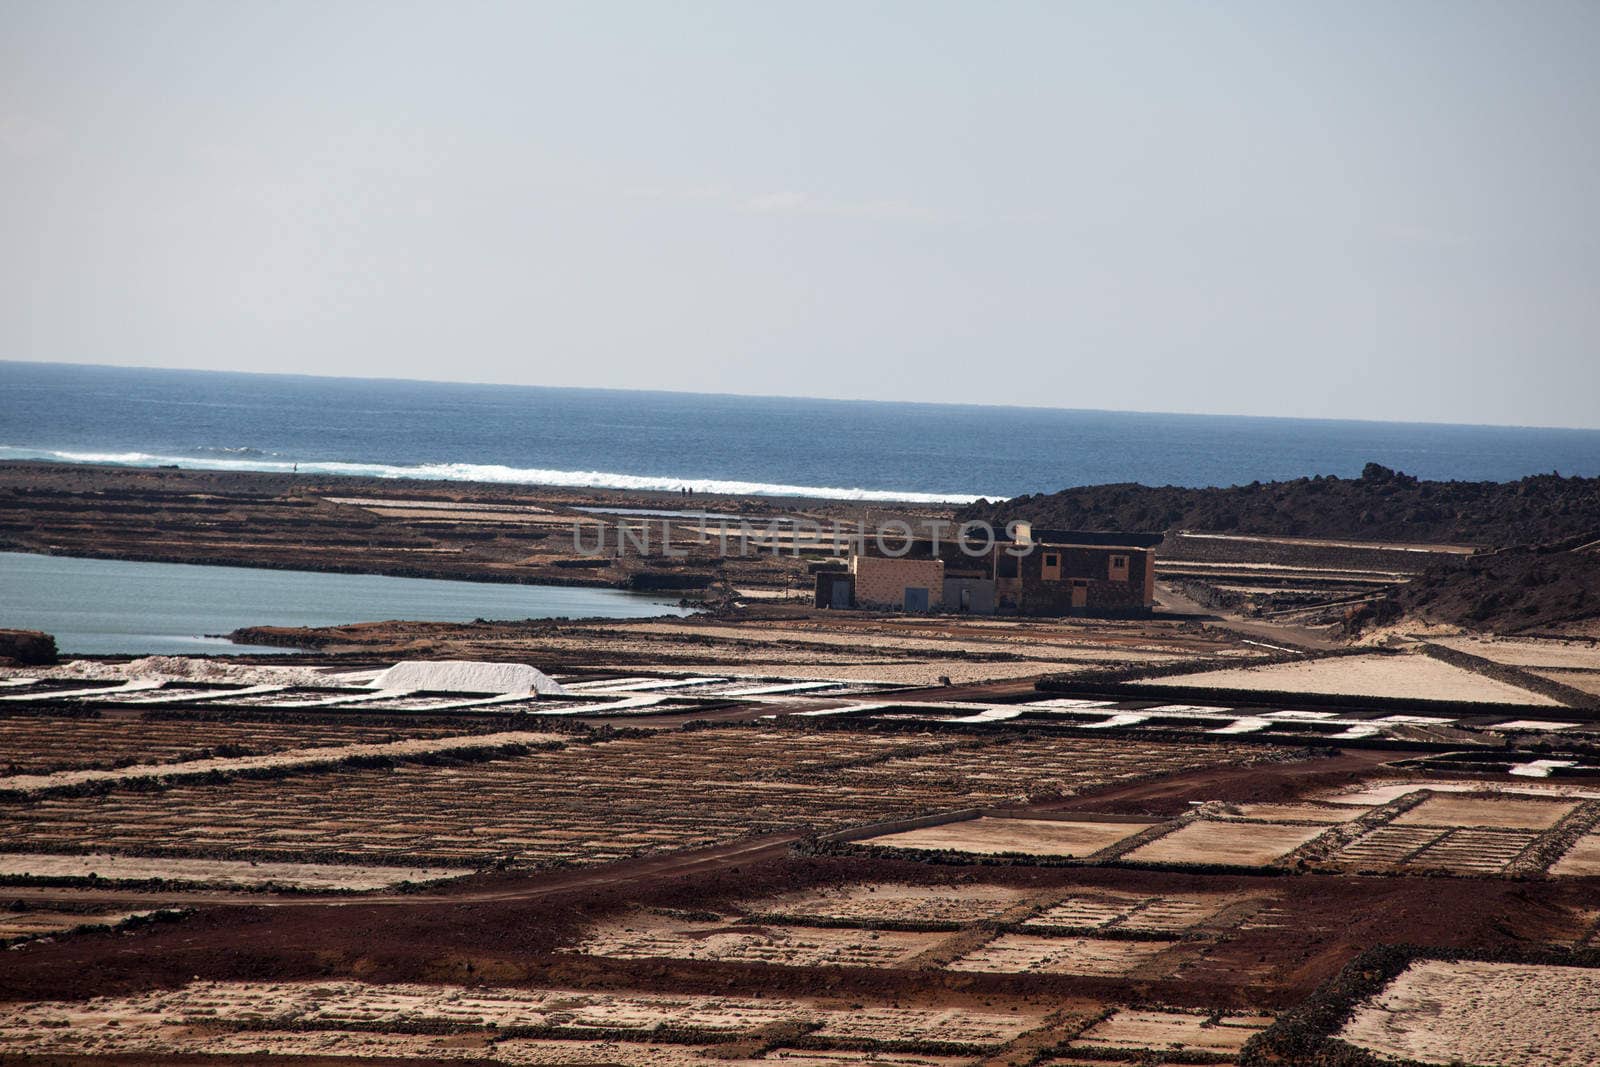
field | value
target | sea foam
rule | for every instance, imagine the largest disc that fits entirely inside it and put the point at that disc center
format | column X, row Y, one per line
column 491, row 472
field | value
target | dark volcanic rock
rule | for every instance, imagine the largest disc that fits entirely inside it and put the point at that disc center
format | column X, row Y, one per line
column 30, row 648
column 1380, row 505
column 1526, row 588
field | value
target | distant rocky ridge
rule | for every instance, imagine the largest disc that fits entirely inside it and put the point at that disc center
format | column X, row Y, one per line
column 1381, row 505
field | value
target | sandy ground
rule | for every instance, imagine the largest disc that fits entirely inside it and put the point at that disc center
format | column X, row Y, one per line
column 1510, row 1015
column 848, row 1057
column 440, row 514
column 1034, row 837
column 866, row 902
column 147, row 1021
column 911, row 673
column 1127, row 911
column 1529, row 652
column 20, row 924
column 216, row 872
column 902, row 651
column 1382, row 792
column 1582, row 859
column 31, row 744
column 1245, row 844
column 303, row 757
column 643, row 936
column 1511, row 812
column 359, row 1046
column 1416, row 677
column 1586, row 680
column 1316, row 813
column 1275, row 570
column 1405, row 630
column 594, row 803
column 788, row 641
column 1322, row 542
column 1165, row 1031
column 1474, row 851
column 1581, row 630
column 1029, row 953
column 1037, row 641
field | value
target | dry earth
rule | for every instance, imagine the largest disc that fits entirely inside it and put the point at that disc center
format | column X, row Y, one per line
column 1509, row 1015
column 1415, row 677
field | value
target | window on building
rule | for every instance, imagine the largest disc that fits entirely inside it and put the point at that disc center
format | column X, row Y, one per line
column 1050, row 567
column 1118, row 569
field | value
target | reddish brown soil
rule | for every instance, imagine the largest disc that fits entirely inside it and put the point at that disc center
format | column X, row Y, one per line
column 167, row 1060
column 1253, row 784
column 506, row 928
column 1326, row 920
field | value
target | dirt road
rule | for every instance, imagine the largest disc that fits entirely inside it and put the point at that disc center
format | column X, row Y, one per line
column 526, row 885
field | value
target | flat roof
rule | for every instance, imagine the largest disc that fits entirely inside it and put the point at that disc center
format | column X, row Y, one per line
column 1114, row 539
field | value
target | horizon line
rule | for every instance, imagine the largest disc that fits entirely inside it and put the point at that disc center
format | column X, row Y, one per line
column 791, row 396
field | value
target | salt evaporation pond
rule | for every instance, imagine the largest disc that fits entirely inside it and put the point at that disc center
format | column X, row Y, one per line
column 109, row 607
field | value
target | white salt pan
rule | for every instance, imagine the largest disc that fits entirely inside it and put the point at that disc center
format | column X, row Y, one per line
column 467, row 676
column 163, row 668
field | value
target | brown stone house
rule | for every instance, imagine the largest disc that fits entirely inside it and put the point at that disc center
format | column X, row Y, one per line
column 1031, row 572
column 913, row 582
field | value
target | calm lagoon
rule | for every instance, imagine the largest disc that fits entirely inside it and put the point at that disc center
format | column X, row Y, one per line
column 107, row 607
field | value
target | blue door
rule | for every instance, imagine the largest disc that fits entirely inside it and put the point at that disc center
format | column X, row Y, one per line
column 916, row 598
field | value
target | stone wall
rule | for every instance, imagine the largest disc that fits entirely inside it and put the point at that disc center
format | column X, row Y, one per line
column 881, row 581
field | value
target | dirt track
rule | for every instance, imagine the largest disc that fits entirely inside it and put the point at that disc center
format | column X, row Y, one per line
column 530, row 887
column 513, row 936
column 1173, row 794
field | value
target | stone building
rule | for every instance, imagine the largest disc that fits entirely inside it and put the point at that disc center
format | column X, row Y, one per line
column 914, row 582
column 1029, row 572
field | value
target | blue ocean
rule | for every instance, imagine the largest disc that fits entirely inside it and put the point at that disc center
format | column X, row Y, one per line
column 712, row 443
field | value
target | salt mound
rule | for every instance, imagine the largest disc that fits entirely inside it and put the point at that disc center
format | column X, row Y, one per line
column 467, row 676
column 163, row 668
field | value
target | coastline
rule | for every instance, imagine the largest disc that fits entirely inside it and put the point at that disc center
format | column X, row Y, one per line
column 361, row 525
column 228, row 461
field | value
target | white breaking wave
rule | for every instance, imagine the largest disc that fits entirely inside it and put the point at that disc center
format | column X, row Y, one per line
column 493, row 472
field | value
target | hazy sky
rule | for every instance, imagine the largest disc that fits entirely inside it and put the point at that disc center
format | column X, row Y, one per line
column 1384, row 210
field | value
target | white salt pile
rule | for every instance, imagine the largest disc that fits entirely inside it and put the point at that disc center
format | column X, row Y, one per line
column 467, row 676
column 162, row 668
